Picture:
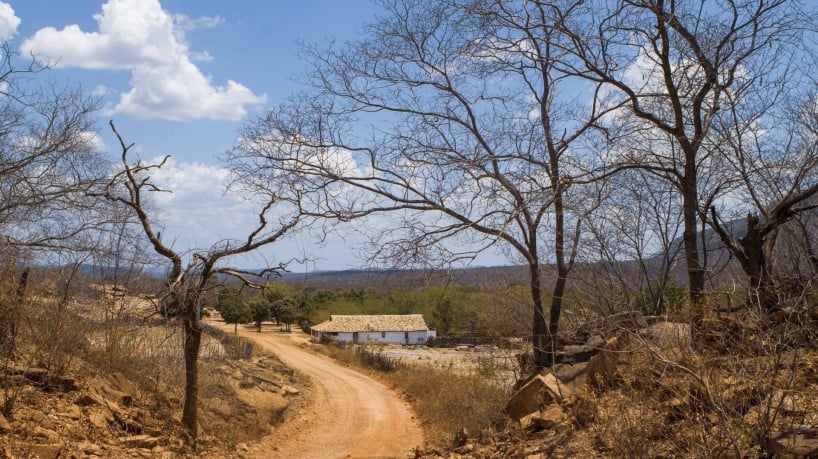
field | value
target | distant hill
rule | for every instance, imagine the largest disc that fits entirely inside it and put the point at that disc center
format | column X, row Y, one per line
column 478, row 277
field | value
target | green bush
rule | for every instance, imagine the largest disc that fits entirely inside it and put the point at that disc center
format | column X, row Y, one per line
column 657, row 299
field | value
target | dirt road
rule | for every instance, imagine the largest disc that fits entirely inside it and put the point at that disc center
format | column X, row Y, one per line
column 350, row 415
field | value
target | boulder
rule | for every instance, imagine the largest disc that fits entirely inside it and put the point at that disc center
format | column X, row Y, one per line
column 783, row 402
column 88, row 400
column 799, row 441
column 140, row 441
column 123, row 384
column 608, row 326
column 541, row 391
column 98, row 419
column 571, row 354
column 602, row 368
column 549, row 417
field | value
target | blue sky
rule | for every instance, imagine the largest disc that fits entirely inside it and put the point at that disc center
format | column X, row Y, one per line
column 179, row 77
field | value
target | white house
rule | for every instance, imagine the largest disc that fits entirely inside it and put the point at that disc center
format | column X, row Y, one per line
column 397, row 329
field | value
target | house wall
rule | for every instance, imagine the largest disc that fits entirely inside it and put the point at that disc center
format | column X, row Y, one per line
column 415, row 337
column 380, row 337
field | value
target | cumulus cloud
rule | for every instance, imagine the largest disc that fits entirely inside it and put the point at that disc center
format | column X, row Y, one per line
column 196, row 212
column 8, row 21
column 141, row 37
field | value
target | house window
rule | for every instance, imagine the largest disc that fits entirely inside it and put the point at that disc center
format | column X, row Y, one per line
column 383, row 334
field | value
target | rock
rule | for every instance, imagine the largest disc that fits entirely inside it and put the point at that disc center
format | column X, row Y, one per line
column 290, row 390
column 140, row 441
column 98, row 419
column 122, row 384
column 602, row 368
column 465, row 449
column 549, row 417
column 571, row 354
column 72, row 412
column 88, row 400
column 596, row 342
column 5, row 427
column 66, row 384
column 799, row 441
column 462, row 347
column 541, row 391
column 572, row 375
column 45, row 434
column 783, row 402
column 89, row 448
column 611, row 325
column 242, row 447
column 461, row 438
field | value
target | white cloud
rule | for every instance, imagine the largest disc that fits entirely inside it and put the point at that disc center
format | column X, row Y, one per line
column 205, row 22
column 94, row 140
column 201, row 56
column 8, row 21
column 196, row 212
column 139, row 36
column 100, row 91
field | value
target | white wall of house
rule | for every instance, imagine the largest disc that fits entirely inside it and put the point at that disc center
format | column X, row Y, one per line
column 412, row 337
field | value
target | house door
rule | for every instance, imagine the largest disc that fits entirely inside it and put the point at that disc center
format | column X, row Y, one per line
column 355, row 337
column 405, row 337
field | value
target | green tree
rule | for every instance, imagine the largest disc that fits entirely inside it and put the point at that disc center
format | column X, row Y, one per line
column 443, row 315
column 263, row 305
column 286, row 311
column 259, row 310
column 232, row 308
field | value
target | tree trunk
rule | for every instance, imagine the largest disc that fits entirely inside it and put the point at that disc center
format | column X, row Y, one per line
column 193, row 340
column 695, row 272
column 562, row 269
column 543, row 349
column 754, row 264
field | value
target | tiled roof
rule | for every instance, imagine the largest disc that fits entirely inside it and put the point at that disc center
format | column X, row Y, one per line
column 382, row 323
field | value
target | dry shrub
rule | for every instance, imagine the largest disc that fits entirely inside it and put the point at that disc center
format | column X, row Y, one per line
column 626, row 427
column 725, row 396
column 448, row 401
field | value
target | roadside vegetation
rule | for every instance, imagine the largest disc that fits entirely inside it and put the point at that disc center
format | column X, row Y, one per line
column 439, row 396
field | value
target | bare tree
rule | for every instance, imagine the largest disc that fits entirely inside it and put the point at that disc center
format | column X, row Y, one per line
column 773, row 154
column 452, row 118
column 673, row 62
column 633, row 242
column 187, row 281
column 48, row 159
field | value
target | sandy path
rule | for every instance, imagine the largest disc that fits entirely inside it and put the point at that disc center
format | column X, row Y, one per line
column 350, row 415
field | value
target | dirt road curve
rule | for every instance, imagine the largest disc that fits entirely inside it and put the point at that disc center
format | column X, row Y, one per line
column 351, row 415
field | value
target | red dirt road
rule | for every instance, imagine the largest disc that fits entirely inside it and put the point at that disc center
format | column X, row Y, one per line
column 350, row 415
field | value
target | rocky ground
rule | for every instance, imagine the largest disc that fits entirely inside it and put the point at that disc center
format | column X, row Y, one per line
column 630, row 386
column 85, row 415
